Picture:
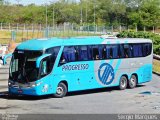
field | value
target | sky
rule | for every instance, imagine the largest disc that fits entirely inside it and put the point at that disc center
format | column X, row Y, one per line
column 26, row 2
column 37, row 2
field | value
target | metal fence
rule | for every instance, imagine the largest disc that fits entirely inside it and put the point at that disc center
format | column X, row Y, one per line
column 156, row 64
column 21, row 32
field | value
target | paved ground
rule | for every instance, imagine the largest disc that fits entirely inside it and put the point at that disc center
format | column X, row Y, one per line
column 108, row 100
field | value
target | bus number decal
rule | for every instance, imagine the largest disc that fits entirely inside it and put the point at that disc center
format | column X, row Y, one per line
column 75, row 67
column 106, row 74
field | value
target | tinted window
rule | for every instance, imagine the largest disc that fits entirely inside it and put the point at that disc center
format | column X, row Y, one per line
column 137, row 50
column 147, row 48
column 51, row 59
column 102, row 51
column 95, row 51
column 121, row 51
column 84, row 53
column 46, row 66
column 112, row 51
column 127, row 51
column 108, row 51
column 68, row 54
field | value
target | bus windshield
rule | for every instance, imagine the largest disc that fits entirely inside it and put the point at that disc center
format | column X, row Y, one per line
column 23, row 66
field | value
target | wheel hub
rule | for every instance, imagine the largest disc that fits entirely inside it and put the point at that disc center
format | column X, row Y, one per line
column 59, row 90
column 123, row 83
column 132, row 81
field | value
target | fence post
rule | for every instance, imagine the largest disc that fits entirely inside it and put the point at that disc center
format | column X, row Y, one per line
column 72, row 28
column 136, row 28
column 153, row 29
column 24, row 27
column 144, row 29
column 32, row 27
column 46, row 32
column 40, row 27
column 9, row 26
column 128, row 28
column 13, row 35
column 96, row 28
column 56, row 30
column 88, row 29
column 112, row 29
column 1, row 26
column 64, row 27
column 17, row 26
column 120, row 28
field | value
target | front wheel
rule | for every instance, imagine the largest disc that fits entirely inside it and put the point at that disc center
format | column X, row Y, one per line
column 61, row 90
column 123, row 83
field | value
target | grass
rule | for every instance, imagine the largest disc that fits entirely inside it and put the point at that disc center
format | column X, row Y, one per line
column 156, row 66
column 5, row 36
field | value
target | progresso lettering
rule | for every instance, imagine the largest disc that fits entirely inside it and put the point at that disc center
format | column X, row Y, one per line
column 75, row 67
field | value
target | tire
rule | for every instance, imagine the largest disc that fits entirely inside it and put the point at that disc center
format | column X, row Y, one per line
column 61, row 90
column 132, row 82
column 123, row 83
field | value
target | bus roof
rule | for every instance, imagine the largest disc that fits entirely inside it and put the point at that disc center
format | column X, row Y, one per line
column 45, row 43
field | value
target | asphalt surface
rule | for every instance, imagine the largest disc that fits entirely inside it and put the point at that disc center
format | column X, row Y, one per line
column 142, row 99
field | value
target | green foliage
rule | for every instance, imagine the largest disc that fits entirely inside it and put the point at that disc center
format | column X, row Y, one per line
column 131, row 13
column 154, row 37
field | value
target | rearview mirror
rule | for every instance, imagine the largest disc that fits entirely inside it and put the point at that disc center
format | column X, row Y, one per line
column 4, row 59
column 39, row 59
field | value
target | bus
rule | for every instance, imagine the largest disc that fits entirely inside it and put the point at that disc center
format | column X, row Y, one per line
column 61, row 65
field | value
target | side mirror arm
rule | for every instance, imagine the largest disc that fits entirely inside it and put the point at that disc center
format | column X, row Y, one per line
column 6, row 57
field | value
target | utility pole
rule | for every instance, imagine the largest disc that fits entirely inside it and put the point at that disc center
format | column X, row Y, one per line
column 53, row 17
column 81, row 14
column 46, row 16
column 18, row 4
column 86, row 12
column 94, row 13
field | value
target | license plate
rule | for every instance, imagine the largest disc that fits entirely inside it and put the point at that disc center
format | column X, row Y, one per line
column 20, row 91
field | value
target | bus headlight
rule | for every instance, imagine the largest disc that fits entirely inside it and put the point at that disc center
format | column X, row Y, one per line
column 10, row 83
column 36, row 84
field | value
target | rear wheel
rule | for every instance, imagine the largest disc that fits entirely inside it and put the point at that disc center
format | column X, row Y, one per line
column 132, row 82
column 61, row 90
column 123, row 83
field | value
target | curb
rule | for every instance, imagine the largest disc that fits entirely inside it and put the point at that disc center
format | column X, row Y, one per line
column 3, row 86
column 156, row 73
column 4, row 72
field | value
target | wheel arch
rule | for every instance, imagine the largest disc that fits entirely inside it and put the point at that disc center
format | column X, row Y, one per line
column 65, row 82
column 125, row 75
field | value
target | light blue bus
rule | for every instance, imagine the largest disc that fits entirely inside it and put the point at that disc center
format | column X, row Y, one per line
column 60, row 65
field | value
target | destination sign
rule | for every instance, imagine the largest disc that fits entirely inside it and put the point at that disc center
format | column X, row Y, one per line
column 75, row 67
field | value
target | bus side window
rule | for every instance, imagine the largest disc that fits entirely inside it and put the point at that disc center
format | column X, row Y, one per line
column 84, row 53
column 147, row 48
column 101, row 52
column 121, row 51
column 68, row 54
column 115, row 51
column 95, row 52
column 54, row 52
column 127, row 51
column 45, row 67
column 137, row 50
column 108, row 52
